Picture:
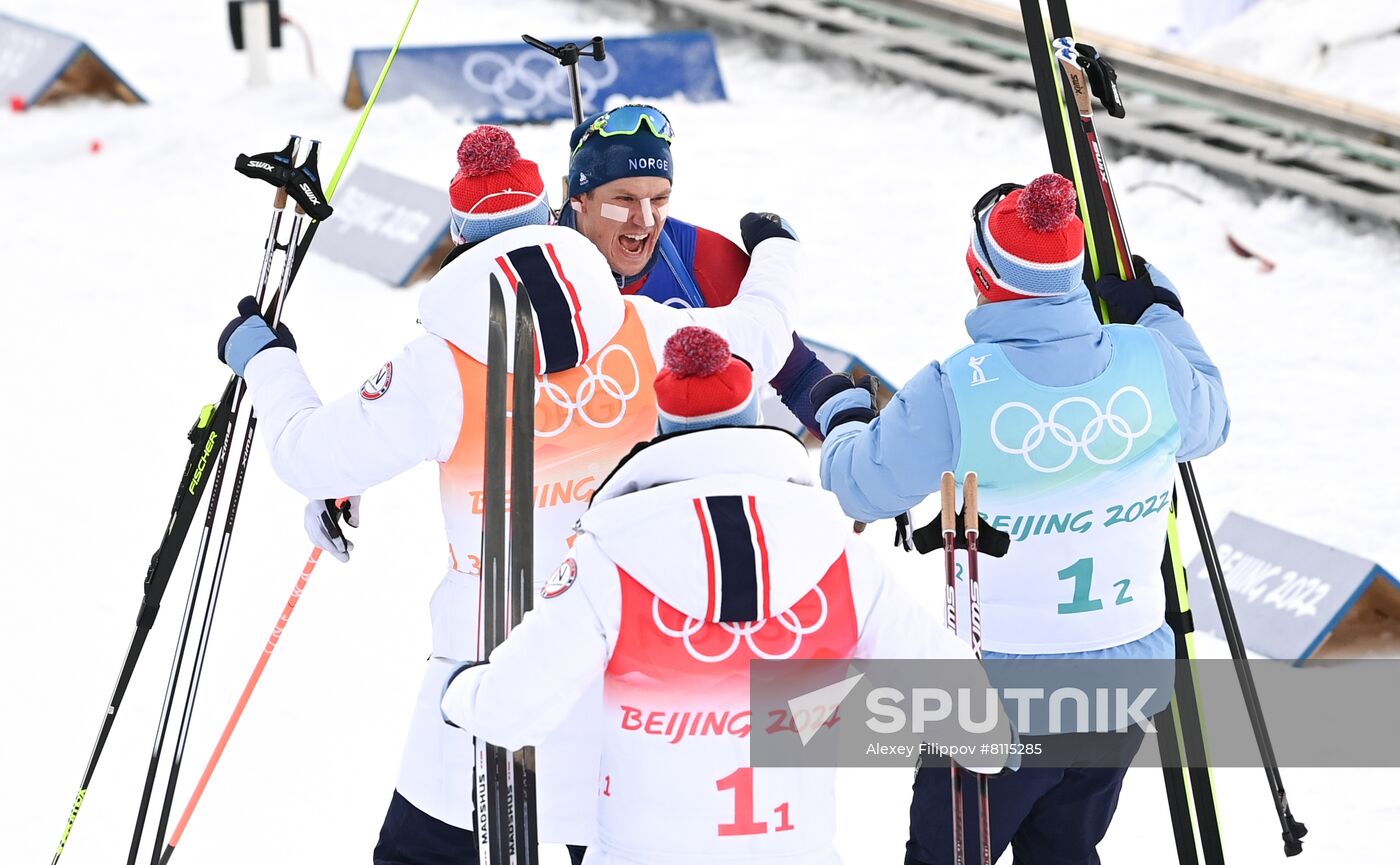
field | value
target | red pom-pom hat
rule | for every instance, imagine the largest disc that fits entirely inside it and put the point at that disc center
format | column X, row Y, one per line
column 1031, row 244
column 702, row 385
column 495, row 189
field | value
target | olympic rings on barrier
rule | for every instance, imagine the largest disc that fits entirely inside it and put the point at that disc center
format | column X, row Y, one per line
column 526, row 82
column 1087, row 437
column 743, row 631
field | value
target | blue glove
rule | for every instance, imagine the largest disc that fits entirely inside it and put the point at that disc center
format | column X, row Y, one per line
column 1128, row 299
column 840, row 399
column 758, row 227
column 249, row 334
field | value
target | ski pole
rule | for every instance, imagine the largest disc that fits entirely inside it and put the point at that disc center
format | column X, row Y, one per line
column 354, row 138
column 305, row 182
column 225, row 541
column 1079, row 63
column 950, row 566
column 974, row 593
column 207, row 437
column 309, row 174
column 241, row 704
column 1293, row 831
column 1101, row 206
column 206, row 536
column 1182, row 739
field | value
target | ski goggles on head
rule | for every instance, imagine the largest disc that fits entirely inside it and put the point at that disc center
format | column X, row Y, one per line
column 989, row 200
column 628, row 120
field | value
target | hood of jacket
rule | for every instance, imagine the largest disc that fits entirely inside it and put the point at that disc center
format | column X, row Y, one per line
column 724, row 524
column 577, row 306
column 1035, row 320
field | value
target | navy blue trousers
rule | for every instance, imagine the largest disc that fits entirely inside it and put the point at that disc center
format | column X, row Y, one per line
column 1047, row 816
column 411, row 837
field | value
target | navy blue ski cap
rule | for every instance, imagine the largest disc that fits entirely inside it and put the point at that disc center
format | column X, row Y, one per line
column 627, row 141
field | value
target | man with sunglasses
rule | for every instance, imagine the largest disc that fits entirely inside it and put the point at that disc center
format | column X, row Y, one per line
column 620, row 174
column 1074, row 429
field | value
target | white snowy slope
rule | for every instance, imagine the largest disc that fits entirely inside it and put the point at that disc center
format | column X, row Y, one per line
column 121, row 267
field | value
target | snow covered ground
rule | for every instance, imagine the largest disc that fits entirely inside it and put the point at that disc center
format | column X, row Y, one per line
column 120, row 268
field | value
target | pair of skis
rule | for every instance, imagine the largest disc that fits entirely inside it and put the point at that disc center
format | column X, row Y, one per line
column 949, row 498
column 506, row 831
column 1067, row 77
column 205, row 467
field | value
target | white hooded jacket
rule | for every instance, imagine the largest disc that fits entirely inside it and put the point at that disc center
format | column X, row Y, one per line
column 701, row 552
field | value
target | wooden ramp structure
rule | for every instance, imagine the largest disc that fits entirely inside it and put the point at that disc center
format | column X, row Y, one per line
column 39, row 66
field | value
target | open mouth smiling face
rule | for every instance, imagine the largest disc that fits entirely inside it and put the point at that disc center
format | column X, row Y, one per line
column 624, row 220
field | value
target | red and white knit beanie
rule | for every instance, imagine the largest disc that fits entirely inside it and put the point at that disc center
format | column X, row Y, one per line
column 1030, row 244
column 495, row 189
column 702, row 385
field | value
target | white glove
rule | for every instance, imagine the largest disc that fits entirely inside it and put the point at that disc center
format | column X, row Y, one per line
column 323, row 524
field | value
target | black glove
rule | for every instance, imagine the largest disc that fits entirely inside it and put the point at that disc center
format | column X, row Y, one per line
column 855, row 400
column 1103, row 78
column 903, row 535
column 1128, row 299
column 758, row 227
column 991, row 541
column 248, row 334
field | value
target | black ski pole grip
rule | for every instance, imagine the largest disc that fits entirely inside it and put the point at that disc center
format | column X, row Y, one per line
column 305, row 186
column 273, row 167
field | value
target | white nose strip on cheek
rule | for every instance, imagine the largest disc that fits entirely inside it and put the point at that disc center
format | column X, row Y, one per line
column 647, row 218
column 611, row 211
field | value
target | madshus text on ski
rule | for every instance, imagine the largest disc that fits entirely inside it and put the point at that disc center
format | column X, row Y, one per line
column 614, row 351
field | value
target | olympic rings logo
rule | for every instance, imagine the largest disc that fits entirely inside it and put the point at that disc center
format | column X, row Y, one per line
column 745, row 632
column 1093, row 430
column 531, row 79
column 581, row 402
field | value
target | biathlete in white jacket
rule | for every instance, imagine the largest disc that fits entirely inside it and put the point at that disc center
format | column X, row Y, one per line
column 1074, row 429
column 707, row 548
column 598, row 354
